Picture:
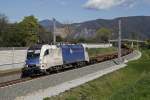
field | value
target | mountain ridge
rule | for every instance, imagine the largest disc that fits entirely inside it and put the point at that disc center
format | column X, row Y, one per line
column 139, row 25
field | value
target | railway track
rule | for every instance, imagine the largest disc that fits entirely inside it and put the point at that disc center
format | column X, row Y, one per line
column 8, row 83
column 93, row 60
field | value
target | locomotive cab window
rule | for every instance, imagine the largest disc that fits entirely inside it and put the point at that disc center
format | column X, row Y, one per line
column 46, row 52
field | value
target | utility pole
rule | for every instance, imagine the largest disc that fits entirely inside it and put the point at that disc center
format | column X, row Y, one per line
column 137, row 44
column 54, row 31
column 119, row 41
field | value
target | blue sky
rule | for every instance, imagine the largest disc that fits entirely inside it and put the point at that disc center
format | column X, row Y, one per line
column 73, row 10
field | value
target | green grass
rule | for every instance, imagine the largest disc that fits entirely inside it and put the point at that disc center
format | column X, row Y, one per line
column 93, row 51
column 129, row 83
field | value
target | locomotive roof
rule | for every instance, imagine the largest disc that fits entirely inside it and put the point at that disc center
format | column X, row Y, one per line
column 39, row 46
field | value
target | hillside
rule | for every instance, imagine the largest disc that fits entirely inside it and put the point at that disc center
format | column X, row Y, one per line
column 48, row 24
column 139, row 25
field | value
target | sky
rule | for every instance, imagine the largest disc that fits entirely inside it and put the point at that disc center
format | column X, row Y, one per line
column 68, row 11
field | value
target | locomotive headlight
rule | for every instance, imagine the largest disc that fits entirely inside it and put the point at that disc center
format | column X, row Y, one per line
column 25, row 65
column 42, row 66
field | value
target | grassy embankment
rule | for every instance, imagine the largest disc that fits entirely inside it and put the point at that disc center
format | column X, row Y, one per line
column 129, row 83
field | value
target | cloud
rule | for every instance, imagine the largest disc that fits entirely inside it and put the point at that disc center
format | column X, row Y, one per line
column 107, row 4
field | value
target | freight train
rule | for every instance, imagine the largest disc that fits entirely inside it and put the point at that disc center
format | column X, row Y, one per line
column 45, row 59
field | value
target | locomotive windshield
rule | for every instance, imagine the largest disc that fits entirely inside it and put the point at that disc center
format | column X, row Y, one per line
column 33, row 54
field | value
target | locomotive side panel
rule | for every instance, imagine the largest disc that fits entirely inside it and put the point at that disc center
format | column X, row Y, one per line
column 52, row 56
column 73, row 53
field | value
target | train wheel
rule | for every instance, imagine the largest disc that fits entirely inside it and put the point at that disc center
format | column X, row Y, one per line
column 45, row 72
column 25, row 74
column 58, row 68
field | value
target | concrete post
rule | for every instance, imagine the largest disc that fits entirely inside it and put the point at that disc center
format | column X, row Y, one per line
column 119, row 42
column 137, row 45
column 54, row 31
column 132, row 45
column 13, row 57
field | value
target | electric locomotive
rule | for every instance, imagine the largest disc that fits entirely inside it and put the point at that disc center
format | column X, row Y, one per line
column 46, row 58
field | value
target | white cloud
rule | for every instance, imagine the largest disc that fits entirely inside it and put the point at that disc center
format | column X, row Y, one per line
column 107, row 4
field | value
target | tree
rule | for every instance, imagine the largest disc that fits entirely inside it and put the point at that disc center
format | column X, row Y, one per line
column 81, row 40
column 3, row 27
column 3, row 23
column 13, row 37
column 44, row 36
column 30, row 27
column 148, row 43
column 134, row 36
column 68, row 30
column 103, row 35
column 24, row 33
column 59, row 38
